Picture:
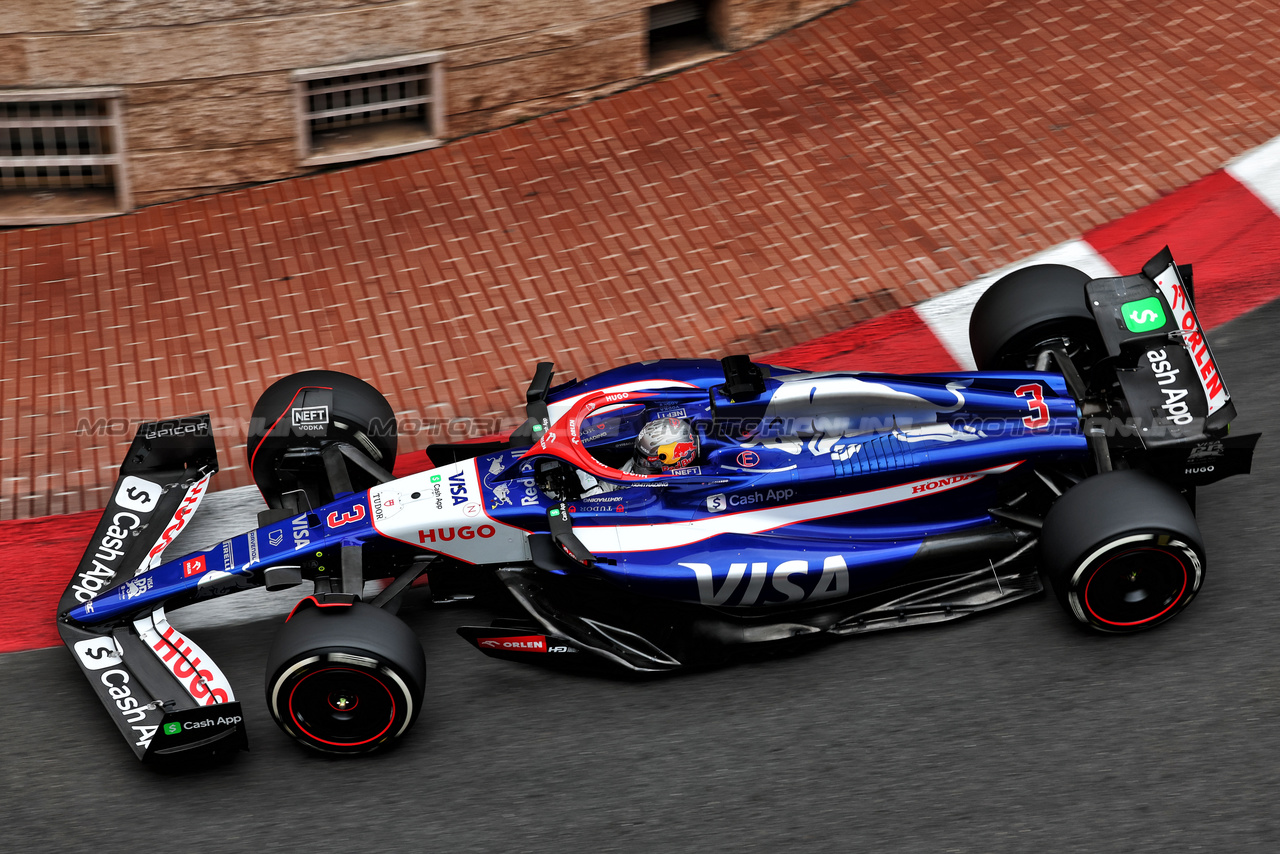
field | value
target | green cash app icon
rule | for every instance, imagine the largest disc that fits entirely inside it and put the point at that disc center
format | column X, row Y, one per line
column 1143, row 315
column 172, row 729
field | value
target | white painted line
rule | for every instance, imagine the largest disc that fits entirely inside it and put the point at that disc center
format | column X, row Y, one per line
column 947, row 316
column 1259, row 170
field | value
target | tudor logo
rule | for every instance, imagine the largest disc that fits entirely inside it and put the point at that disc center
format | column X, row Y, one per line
column 525, row 643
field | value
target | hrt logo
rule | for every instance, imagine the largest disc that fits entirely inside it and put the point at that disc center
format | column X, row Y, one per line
column 525, row 643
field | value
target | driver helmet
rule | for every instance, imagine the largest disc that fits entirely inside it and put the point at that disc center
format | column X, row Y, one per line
column 664, row 445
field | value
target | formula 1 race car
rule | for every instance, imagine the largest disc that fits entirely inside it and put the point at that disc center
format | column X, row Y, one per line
column 815, row 505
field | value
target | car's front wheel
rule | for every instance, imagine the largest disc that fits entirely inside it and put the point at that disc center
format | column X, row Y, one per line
column 345, row 678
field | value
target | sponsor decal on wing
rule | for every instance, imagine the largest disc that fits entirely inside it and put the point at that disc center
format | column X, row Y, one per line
column 189, row 664
column 1171, row 285
column 181, row 516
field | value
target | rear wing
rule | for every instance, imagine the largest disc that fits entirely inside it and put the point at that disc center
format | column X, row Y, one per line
column 1180, row 404
column 164, row 694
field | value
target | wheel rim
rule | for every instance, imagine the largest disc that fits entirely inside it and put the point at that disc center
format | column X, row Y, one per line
column 1136, row 586
column 342, row 706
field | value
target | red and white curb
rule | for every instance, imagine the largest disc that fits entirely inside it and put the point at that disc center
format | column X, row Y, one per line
column 1227, row 225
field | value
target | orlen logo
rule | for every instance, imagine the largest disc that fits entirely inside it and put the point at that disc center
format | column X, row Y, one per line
column 193, row 566
column 466, row 532
column 174, row 651
column 525, row 643
column 931, row 485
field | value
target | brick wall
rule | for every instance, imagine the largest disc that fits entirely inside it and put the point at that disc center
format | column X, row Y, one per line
column 208, row 100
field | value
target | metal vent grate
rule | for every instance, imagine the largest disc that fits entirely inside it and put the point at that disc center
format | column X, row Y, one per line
column 675, row 13
column 378, row 96
column 57, row 145
column 370, row 109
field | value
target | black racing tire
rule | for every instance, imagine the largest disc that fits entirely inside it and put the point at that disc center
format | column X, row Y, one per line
column 345, row 679
column 1122, row 552
column 361, row 416
column 1028, row 310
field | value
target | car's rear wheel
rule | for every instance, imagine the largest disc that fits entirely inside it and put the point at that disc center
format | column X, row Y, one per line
column 345, row 679
column 1122, row 552
column 1030, row 310
column 346, row 409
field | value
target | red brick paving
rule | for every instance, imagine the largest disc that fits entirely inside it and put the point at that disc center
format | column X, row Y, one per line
column 876, row 156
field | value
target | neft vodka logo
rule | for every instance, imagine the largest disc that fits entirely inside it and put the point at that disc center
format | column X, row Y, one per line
column 310, row 419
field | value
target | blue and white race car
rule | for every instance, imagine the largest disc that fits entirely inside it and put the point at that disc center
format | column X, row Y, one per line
column 805, row 505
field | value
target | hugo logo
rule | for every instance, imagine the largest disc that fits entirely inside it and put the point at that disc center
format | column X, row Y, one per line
column 466, row 532
column 174, row 651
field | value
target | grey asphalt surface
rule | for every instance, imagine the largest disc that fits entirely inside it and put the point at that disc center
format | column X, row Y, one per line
column 1012, row 731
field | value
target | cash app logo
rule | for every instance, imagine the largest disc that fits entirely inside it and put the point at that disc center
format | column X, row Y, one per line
column 172, row 729
column 1143, row 315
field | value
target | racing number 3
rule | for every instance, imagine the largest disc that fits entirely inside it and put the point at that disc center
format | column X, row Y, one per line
column 354, row 515
column 1035, row 402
